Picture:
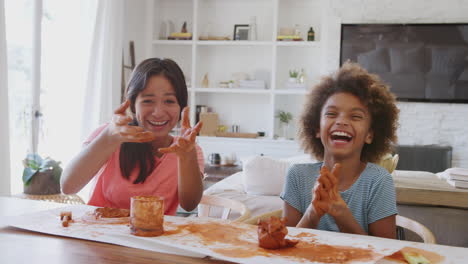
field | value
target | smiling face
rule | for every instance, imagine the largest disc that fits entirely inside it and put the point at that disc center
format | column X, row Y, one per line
column 156, row 107
column 344, row 126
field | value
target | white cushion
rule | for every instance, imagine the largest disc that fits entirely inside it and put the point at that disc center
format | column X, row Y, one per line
column 266, row 175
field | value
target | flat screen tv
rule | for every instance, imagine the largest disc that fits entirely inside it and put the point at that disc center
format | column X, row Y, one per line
column 420, row 62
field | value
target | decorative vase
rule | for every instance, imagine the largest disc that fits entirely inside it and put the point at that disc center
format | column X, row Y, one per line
column 285, row 127
column 43, row 183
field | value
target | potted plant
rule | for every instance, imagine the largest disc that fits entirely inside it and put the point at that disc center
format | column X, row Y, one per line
column 41, row 176
column 284, row 118
column 293, row 74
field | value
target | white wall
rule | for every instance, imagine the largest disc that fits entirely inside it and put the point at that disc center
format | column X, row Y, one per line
column 420, row 123
column 135, row 29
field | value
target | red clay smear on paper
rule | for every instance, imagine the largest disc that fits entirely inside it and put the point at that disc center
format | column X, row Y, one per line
column 219, row 233
column 90, row 219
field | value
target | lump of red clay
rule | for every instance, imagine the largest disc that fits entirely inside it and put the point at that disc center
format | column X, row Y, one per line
column 107, row 212
column 66, row 218
column 271, row 234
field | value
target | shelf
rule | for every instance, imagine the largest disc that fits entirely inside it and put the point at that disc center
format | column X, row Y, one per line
column 237, row 43
column 172, row 42
column 298, row 43
column 262, row 139
column 231, row 90
column 233, row 43
column 291, row 91
column 264, row 59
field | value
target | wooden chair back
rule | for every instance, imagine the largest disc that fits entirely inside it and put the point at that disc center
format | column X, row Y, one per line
column 209, row 202
column 389, row 162
column 416, row 227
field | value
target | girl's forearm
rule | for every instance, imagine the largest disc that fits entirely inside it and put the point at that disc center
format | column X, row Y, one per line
column 88, row 162
column 190, row 181
column 309, row 220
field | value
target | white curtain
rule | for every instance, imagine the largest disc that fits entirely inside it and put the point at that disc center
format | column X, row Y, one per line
column 104, row 76
column 4, row 120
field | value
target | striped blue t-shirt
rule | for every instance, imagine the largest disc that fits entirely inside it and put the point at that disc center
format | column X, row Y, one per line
column 370, row 198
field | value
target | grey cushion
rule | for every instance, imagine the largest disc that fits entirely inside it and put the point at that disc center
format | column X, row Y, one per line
column 405, row 85
column 397, row 44
column 375, row 61
column 352, row 49
column 461, row 90
column 439, row 86
column 407, row 59
column 448, row 60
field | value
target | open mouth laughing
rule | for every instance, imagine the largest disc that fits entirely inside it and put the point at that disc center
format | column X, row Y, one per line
column 340, row 136
column 158, row 124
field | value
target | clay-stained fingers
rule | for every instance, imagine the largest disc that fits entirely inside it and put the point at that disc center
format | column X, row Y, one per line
column 138, row 137
column 121, row 120
column 169, row 149
column 315, row 193
column 325, row 181
column 122, row 108
column 185, row 118
column 182, row 143
column 320, row 194
column 317, row 203
column 131, row 130
column 195, row 130
column 324, row 170
column 321, row 206
column 335, row 173
column 135, row 134
column 324, row 194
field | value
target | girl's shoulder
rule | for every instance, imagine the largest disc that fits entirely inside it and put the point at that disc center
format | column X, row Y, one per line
column 375, row 173
column 305, row 168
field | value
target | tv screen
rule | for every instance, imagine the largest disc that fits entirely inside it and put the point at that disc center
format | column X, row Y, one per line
column 420, row 62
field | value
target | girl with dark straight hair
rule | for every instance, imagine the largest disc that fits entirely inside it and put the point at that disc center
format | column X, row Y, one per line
column 134, row 154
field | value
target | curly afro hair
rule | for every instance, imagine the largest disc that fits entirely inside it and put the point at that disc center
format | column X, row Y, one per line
column 373, row 93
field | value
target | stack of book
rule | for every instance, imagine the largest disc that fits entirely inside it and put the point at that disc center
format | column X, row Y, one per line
column 457, row 177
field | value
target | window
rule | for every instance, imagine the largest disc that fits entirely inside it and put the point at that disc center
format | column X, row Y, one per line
column 65, row 42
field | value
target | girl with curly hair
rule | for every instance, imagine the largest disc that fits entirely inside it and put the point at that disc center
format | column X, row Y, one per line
column 349, row 121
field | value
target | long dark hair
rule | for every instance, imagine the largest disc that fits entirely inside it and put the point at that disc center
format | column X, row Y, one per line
column 140, row 155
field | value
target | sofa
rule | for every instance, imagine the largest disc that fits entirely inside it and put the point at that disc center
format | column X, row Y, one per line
column 260, row 183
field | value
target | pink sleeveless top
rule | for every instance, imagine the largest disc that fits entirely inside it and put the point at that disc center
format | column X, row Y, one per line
column 113, row 190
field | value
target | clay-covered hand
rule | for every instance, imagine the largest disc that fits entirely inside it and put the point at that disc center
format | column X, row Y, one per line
column 319, row 201
column 123, row 132
column 186, row 142
column 332, row 204
column 271, row 234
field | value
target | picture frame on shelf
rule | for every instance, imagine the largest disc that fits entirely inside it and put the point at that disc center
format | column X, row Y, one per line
column 241, row 32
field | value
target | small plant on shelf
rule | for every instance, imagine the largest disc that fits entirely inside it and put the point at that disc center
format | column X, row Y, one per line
column 293, row 74
column 284, row 117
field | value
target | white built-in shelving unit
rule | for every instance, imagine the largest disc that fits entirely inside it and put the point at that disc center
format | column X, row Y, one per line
column 253, row 110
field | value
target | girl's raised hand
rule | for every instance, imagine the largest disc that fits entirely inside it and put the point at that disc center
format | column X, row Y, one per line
column 123, row 132
column 319, row 201
column 336, row 204
column 327, row 198
column 186, row 142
